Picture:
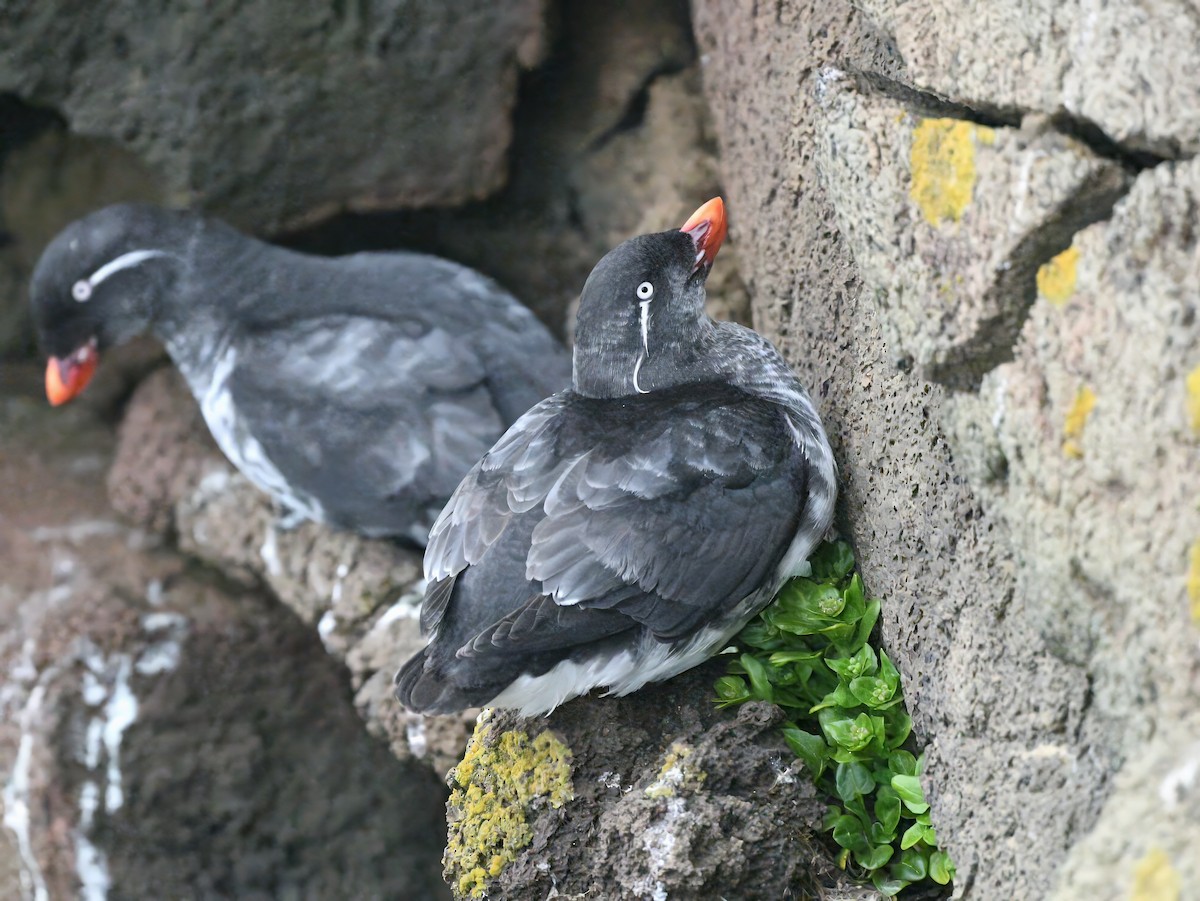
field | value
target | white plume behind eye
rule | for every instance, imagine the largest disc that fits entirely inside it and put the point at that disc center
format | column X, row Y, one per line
column 645, row 291
column 82, row 289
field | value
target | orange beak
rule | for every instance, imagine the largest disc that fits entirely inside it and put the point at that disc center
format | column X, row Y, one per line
column 68, row 377
column 707, row 229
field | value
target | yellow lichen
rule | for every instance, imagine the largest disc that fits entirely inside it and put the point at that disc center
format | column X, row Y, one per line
column 1155, row 879
column 1056, row 279
column 1077, row 417
column 943, row 166
column 676, row 773
column 1193, row 397
column 1193, row 581
column 497, row 783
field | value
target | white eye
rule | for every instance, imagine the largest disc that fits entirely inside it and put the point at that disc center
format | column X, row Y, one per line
column 645, row 291
column 81, row 290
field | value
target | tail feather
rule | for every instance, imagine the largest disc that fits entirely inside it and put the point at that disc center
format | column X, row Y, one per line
column 426, row 688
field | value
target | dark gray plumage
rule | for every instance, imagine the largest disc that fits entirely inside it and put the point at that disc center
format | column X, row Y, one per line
column 621, row 531
column 357, row 390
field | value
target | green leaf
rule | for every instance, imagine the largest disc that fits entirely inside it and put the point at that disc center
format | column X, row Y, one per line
column 760, row 681
column 900, row 728
column 875, row 857
column 779, row 658
column 805, row 607
column 867, row 623
column 831, row 561
column 941, row 867
column 911, row 836
column 862, row 663
column 853, row 780
column 850, row 734
column 888, row 672
column 731, row 689
column 849, row 833
column 811, row 749
column 911, row 866
column 858, row 807
column 887, row 808
column 760, row 634
column 879, row 835
column 839, row 697
column 921, row 764
column 887, row 885
column 871, row 691
column 909, row 790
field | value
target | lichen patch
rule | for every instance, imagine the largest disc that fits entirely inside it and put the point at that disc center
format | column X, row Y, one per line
column 676, row 774
column 499, row 781
column 943, row 167
column 1056, row 278
column 1193, row 398
column 1155, row 879
column 1077, row 417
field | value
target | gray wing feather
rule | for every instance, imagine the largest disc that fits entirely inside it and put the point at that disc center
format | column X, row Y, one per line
column 660, row 532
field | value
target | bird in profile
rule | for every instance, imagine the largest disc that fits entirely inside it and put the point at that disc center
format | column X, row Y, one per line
column 356, row 390
column 624, row 529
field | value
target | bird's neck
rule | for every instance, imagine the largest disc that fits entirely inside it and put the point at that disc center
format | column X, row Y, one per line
column 196, row 311
column 620, row 362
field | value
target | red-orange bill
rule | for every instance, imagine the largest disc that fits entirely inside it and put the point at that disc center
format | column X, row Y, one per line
column 707, row 227
column 66, row 378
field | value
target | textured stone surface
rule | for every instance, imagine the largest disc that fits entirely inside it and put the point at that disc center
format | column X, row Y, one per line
column 1031, row 549
column 361, row 596
column 269, row 114
column 666, row 798
column 1130, row 68
column 985, row 694
column 949, row 221
column 1094, row 419
column 163, row 732
column 612, row 137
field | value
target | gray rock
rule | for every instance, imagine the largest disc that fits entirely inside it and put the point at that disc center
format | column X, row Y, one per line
column 164, row 732
column 1128, row 68
column 949, row 221
column 1032, row 539
column 269, row 114
column 359, row 595
column 658, row 796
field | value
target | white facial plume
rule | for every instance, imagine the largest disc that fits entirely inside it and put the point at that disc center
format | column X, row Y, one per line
column 645, row 293
column 82, row 289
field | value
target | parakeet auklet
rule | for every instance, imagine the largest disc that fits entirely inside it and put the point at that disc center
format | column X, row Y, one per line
column 357, row 390
column 624, row 529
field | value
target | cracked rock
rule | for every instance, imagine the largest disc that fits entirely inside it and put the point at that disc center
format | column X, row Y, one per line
column 949, row 221
column 1129, row 68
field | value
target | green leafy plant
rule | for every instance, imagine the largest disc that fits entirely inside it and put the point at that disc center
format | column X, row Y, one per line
column 809, row 652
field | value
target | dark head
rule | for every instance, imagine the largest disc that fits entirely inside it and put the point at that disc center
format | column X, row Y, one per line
column 641, row 320
column 98, row 284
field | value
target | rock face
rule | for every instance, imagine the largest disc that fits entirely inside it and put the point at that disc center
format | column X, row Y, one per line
column 659, row 797
column 164, row 731
column 1031, row 529
column 269, row 114
column 360, row 596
